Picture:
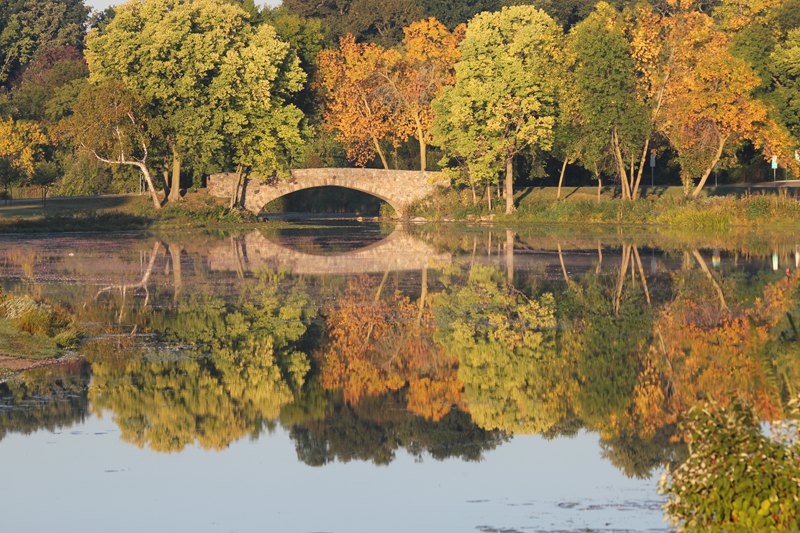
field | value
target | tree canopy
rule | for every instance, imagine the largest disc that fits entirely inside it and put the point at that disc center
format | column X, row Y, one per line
column 504, row 101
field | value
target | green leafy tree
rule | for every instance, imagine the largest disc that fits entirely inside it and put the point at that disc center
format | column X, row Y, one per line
column 205, row 74
column 108, row 123
column 380, row 21
column 307, row 37
column 736, row 477
column 451, row 13
column 31, row 27
column 785, row 69
column 504, row 101
column 612, row 118
column 49, row 86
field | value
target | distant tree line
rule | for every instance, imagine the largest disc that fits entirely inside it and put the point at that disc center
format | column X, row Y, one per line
column 160, row 93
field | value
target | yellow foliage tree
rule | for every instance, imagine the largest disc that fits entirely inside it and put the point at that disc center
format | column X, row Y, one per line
column 709, row 101
column 21, row 143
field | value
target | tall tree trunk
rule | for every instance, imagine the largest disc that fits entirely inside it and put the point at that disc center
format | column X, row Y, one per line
column 642, row 163
column 653, row 120
column 423, row 150
column 380, row 153
column 150, row 187
column 237, row 186
column 561, row 178
column 489, row 196
column 717, row 156
column 474, row 193
column 632, row 179
column 175, row 186
column 510, row 237
column 509, row 185
column 599, row 187
column 623, row 174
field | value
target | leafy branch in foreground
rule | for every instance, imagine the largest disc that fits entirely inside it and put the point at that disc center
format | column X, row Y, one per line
column 736, row 477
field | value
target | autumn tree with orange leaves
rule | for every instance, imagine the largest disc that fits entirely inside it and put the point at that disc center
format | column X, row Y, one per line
column 709, row 101
column 416, row 75
column 355, row 107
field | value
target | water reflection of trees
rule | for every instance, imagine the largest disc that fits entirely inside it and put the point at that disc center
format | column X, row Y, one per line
column 46, row 398
column 230, row 371
column 449, row 361
column 376, row 427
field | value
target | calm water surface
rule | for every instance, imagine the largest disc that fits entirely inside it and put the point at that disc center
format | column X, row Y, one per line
column 365, row 377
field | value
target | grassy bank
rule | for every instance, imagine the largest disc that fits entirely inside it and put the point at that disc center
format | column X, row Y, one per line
column 118, row 213
column 665, row 207
column 34, row 330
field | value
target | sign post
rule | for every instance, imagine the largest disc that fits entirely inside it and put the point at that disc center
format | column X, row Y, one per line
column 652, row 167
column 774, row 168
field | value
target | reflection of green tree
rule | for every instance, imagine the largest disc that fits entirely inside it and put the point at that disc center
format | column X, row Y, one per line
column 506, row 346
column 377, row 426
column 637, row 456
column 606, row 347
column 171, row 403
column 46, row 398
column 227, row 379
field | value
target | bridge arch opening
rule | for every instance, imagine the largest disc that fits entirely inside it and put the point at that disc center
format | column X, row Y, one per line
column 329, row 200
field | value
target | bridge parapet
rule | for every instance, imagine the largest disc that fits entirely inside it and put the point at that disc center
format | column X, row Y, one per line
column 398, row 188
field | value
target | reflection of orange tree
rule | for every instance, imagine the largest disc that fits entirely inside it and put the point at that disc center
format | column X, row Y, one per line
column 702, row 353
column 377, row 345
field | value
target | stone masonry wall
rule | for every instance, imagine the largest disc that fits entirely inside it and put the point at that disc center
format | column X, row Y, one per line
column 399, row 188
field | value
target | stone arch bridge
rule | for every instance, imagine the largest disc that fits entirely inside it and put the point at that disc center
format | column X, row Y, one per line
column 398, row 188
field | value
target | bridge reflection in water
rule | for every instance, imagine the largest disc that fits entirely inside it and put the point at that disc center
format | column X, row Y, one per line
column 398, row 252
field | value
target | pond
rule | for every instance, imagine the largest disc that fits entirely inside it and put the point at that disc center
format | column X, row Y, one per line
column 344, row 376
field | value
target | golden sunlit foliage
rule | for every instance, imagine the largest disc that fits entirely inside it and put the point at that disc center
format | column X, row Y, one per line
column 710, row 98
column 354, row 107
column 21, row 143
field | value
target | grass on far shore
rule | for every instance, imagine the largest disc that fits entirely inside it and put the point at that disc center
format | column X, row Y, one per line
column 660, row 206
column 117, row 213
column 718, row 209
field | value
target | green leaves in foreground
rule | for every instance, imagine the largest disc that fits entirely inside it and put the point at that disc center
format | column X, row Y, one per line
column 736, row 478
